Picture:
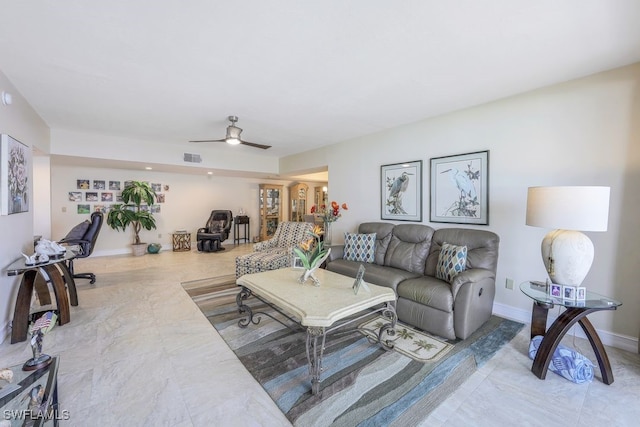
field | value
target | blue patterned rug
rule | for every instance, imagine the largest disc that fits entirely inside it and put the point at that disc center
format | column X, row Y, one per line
column 362, row 384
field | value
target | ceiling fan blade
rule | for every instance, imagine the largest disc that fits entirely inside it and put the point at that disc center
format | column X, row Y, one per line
column 210, row 140
column 233, row 136
column 252, row 144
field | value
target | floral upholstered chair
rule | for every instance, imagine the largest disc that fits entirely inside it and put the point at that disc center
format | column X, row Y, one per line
column 276, row 252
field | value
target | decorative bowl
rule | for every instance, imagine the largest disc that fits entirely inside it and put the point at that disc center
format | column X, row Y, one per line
column 154, row 248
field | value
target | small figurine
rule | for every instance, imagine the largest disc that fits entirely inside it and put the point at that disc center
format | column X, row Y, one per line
column 6, row 374
column 37, row 402
column 30, row 260
column 49, row 248
column 36, row 344
column 43, row 325
column 57, row 247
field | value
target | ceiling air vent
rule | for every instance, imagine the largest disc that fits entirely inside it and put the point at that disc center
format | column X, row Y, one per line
column 192, row 158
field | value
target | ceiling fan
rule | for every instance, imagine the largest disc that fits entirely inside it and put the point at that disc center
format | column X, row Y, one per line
column 233, row 136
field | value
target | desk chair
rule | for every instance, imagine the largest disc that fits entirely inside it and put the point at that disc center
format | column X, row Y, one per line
column 84, row 235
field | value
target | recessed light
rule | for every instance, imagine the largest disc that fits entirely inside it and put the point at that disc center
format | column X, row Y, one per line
column 148, row 168
column 209, row 173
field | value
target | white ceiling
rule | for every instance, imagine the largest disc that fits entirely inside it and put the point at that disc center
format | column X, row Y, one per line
column 299, row 74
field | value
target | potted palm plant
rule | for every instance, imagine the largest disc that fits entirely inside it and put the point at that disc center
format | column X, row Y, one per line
column 135, row 194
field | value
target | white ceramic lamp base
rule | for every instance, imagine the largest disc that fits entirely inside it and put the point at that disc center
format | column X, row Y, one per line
column 568, row 256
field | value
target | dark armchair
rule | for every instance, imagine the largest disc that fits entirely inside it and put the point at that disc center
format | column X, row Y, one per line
column 84, row 235
column 215, row 232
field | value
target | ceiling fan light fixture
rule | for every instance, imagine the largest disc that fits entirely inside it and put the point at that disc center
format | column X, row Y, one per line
column 233, row 136
column 233, row 132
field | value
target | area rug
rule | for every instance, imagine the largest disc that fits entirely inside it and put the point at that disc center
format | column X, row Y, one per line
column 409, row 341
column 362, row 384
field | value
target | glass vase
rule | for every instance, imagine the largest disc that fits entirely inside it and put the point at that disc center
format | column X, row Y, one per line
column 327, row 233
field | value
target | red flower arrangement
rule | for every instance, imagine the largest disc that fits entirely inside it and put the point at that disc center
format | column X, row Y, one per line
column 329, row 215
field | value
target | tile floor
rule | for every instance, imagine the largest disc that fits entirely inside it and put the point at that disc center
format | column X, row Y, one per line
column 138, row 352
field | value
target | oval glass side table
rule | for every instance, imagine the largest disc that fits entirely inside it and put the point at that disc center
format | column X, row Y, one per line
column 576, row 312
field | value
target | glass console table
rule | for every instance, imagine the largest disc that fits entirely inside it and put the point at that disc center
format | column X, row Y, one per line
column 576, row 311
column 17, row 402
column 54, row 271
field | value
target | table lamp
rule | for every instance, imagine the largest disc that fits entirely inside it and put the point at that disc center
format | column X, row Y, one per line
column 566, row 252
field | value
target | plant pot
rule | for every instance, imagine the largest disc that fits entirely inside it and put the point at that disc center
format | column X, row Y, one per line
column 139, row 249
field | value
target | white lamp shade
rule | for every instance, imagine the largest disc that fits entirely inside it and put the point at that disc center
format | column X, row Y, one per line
column 566, row 252
column 569, row 208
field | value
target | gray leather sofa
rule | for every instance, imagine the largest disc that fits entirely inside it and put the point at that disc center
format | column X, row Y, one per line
column 406, row 256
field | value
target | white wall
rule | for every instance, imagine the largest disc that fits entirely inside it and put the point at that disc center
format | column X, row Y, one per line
column 41, row 195
column 188, row 203
column 584, row 132
column 214, row 155
column 16, row 231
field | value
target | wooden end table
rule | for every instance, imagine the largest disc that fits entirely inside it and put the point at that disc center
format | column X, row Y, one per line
column 576, row 311
column 241, row 220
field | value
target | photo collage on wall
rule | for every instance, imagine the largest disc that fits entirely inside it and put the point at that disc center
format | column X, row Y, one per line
column 99, row 195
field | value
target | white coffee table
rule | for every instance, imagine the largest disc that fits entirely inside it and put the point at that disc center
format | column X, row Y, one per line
column 319, row 310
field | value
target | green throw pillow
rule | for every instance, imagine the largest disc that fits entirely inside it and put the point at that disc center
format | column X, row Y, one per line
column 451, row 261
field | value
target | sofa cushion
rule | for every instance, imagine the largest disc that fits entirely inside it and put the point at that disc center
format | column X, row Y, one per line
column 383, row 237
column 482, row 248
column 256, row 262
column 451, row 261
column 409, row 247
column 427, row 291
column 373, row 273
column 359, row 247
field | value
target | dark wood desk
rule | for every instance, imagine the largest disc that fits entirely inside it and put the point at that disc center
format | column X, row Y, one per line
column 244, row 220
column 576, row 312
column 54, row 271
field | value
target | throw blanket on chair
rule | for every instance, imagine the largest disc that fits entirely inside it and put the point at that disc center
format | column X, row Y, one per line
column 566, row 362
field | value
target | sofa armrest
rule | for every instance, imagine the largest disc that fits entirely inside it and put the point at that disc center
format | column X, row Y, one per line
column 264, row 245
column 472, row 275
column 337, row 252
column 73, row 241
column 474, row 292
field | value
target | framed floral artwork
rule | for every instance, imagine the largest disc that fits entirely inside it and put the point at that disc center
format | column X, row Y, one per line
column 401, row 191
column 14, row 176
column 460, row 189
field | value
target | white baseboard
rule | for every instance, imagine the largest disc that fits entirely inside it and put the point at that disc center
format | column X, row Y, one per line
column 608, row 338
column 124, row 251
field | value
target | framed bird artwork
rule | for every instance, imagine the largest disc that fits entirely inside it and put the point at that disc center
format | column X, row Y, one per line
column 460, row 189
column 401, row 191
